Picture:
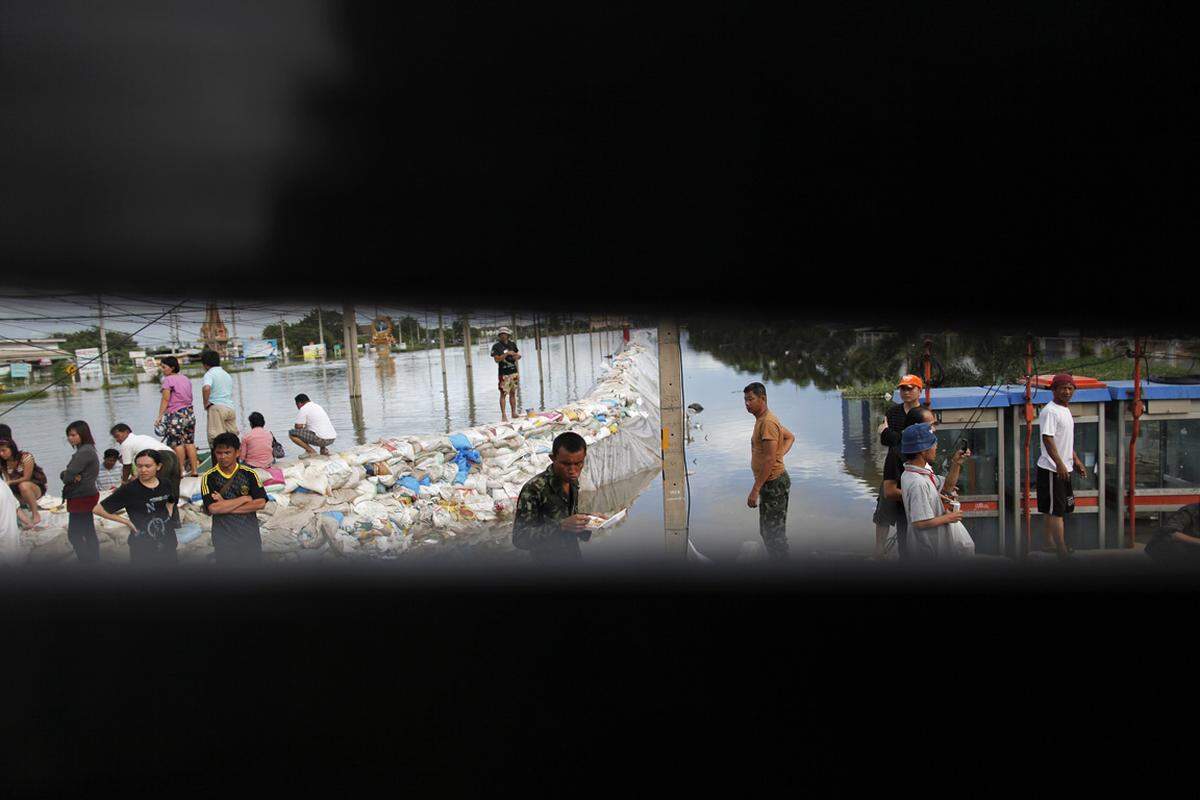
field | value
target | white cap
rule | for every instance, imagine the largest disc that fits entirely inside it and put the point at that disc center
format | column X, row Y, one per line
column 505, row 330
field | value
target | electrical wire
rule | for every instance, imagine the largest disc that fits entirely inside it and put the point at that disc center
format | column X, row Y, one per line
column 102, row 353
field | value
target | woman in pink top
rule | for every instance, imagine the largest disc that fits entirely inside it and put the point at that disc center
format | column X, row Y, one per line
column 176, row 421
column 257, row 444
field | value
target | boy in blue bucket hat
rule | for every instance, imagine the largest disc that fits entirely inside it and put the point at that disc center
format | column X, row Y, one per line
column 922, row 491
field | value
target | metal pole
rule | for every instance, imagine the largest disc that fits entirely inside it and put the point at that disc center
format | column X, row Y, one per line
column 350, row 342
column 1137, row 426
column 1028, row 437
column 103, row 339
column 592, row 350
column 928, row 356
column 674, row 460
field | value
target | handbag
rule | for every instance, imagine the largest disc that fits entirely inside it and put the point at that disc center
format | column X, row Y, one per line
column 277, row 451
column 160, row 427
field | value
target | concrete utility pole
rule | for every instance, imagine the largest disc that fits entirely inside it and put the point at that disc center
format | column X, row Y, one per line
column 520, row 399
column 467, row 350
column 567, row 354
column 283, row 340
column 537, row 343
column 350, row 342
column 670, row 387
column 442, row 347
column 103, row 339
column 321, row 328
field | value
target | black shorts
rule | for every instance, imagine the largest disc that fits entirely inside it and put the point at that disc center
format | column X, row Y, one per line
column 887, row 512
column 1054, row 495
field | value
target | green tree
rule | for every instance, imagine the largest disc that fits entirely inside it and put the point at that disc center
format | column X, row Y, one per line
column 307, row 331
column 119, row 345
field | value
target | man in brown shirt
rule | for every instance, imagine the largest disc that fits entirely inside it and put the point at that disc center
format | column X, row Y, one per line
column 769, row 443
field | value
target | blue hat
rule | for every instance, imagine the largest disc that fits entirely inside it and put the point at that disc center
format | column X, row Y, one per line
column 917, row 439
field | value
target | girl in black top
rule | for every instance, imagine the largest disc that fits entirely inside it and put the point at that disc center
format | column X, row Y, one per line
column 149, row 503
column 79, row 490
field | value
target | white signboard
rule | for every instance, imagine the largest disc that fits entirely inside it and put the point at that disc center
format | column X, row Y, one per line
column 86, row 369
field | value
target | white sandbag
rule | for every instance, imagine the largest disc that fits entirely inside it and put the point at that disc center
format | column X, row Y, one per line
column 475, row 436
column 404, row 517
column 337, row 474
column 370, row 456
column 506, row 460
column 49, row 501
column 290, row 485
column 387, row 481
column 402, row 450
column 315, row 478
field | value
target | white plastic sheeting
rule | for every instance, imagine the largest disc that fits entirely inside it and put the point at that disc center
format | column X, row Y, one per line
column 400, row 494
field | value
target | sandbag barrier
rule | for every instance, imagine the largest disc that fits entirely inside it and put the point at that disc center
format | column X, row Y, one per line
column 406, row 495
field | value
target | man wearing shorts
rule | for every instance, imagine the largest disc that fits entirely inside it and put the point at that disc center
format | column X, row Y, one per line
column 505, row 354
column 1055, row 497
column 889, row 512
column 313, row 428
column 218, row 397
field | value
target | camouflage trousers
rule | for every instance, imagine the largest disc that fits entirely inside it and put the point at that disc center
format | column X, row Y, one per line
column 772, row 516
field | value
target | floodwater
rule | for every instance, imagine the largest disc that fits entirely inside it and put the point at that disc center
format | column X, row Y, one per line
column 834, row 468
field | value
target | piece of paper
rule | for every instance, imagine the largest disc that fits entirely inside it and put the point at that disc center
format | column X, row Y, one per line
column 596, row 523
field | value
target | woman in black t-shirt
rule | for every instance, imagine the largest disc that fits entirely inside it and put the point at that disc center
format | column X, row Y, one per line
column 149, row 504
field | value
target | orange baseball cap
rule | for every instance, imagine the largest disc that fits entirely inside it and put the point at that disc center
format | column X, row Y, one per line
column 911, row 380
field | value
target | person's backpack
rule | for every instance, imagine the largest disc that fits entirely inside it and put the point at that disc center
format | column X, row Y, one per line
column 276, row 448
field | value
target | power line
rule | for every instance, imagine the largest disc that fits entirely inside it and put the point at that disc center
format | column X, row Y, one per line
column 56, row 381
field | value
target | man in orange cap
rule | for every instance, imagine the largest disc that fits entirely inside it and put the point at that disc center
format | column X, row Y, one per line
column 890, row 512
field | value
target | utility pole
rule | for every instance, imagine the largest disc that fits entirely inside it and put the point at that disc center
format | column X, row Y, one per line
column 520, row 399
column 442, row 347
column 283, row 340
column 350, row 341
column 103, row 338
column 670, row 386
column 321, row 330
column 467, row 350
column 537, row 343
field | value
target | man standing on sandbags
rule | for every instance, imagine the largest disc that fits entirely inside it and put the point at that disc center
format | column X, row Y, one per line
column 505, row 353
column 547, row 520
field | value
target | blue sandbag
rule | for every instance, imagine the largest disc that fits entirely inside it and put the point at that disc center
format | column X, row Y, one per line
column 410, row 483
column 460, row 442
column 336, row 516
column 302, row 490
column 187, row 532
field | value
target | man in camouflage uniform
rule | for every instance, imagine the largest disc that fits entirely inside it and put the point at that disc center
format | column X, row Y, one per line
column 547, row 520
column 769, row 443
